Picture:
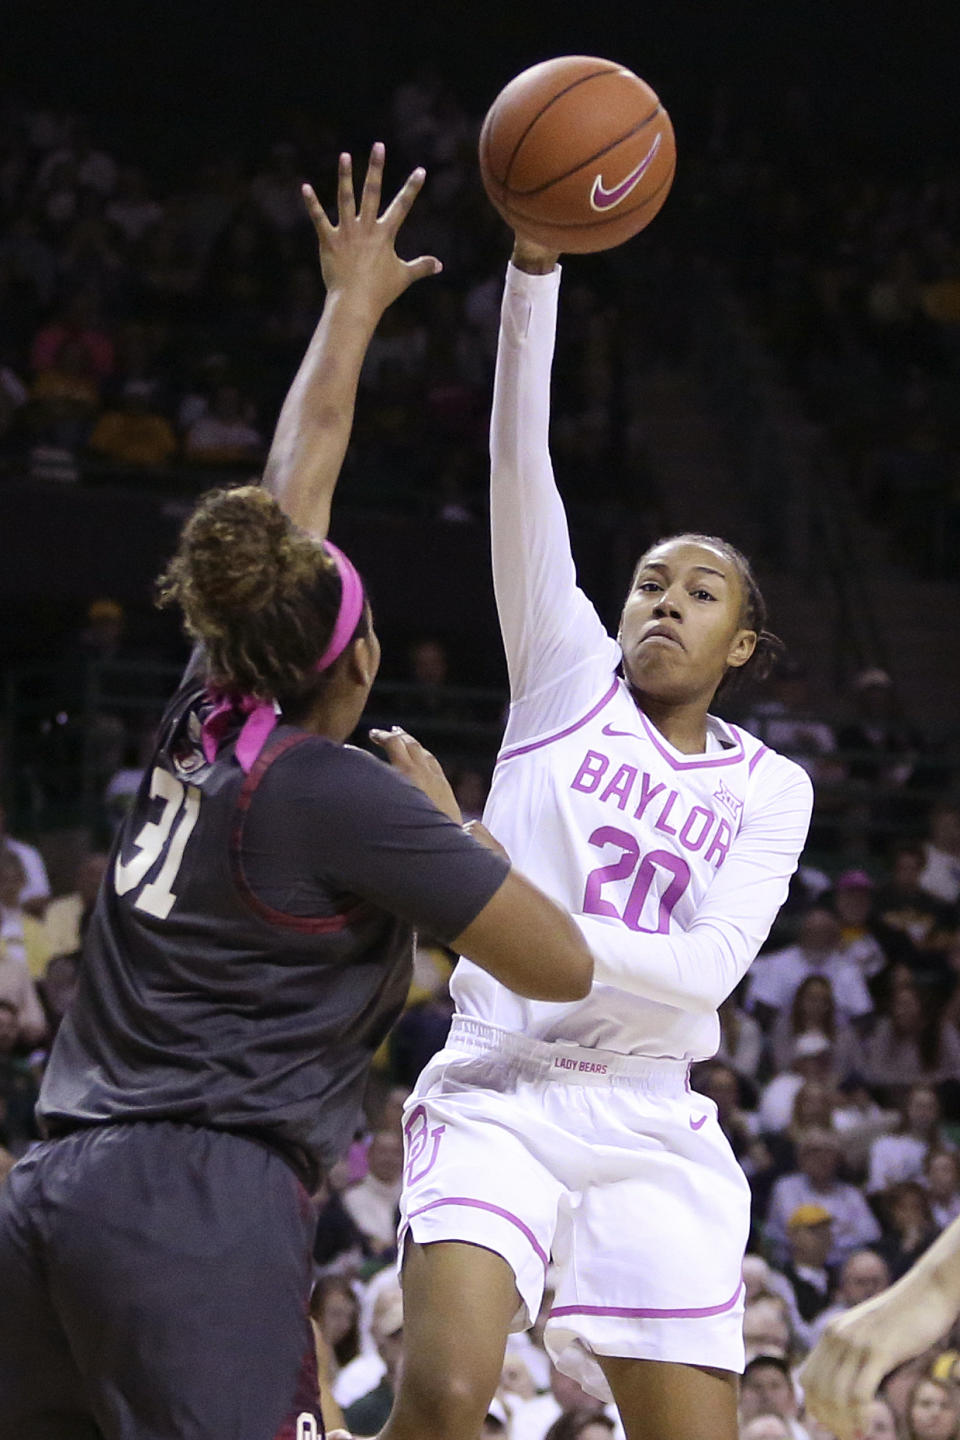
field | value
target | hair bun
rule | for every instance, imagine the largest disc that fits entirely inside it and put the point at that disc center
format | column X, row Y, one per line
column 260, row 594
column 239, row 546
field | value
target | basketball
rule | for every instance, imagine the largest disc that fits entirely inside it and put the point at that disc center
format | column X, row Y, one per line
column 577, row 154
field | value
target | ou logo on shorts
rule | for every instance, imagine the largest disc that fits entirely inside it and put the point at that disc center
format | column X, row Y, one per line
column 422, row 1144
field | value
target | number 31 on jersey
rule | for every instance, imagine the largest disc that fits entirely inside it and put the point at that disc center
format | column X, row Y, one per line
column 164, row 837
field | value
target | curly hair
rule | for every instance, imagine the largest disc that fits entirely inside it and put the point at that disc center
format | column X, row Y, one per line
column 260, row 594
column 753, row 615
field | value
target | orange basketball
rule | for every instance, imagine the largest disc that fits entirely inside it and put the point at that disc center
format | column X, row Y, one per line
column 577, row 154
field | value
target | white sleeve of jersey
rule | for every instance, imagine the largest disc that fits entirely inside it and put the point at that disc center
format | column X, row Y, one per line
column 697, row 968
column 557, row 650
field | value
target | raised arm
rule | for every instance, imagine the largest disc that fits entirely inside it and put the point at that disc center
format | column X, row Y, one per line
column 550, row 629
column 363, row 275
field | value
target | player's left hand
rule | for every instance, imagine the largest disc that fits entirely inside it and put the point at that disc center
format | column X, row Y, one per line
column 357, row 255
column 416, row 762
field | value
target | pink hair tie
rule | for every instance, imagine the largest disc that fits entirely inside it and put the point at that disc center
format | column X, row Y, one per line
column 260, row 722
column 351, row 608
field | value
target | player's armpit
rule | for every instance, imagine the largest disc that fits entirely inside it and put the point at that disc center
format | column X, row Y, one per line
column 528, row 943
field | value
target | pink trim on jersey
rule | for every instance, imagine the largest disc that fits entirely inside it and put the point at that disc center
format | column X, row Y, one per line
column 560, row 734
column 494, row 1210
column 624, row 1312
column 732, row 757
column 755, row 757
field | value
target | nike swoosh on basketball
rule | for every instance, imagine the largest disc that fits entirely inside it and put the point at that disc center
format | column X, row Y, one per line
column 603, row 199
column 698, row 1124
column 609, row 730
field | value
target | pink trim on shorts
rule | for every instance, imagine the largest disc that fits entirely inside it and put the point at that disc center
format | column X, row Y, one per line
column 755, row 757
column 731, row 758
column 560, row 734
column 624, row 1312
column 494, row 1210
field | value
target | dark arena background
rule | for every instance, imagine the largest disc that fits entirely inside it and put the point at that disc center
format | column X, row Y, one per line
column 776, row 360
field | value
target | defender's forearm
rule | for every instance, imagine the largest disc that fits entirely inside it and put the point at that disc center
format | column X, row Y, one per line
column 313, row 430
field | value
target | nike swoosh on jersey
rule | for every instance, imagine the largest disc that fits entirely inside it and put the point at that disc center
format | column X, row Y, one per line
column 630, row 735
column 603, row 199
column 698, row 1124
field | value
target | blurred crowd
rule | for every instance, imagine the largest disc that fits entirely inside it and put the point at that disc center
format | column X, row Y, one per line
column 150, row 322
column 148, row 330
column 851, row 266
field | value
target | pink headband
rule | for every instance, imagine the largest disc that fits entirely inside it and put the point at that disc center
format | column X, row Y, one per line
column 351, row 607
column 261, row 715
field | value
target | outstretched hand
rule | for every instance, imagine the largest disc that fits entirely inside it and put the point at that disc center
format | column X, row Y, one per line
column 844, row 1370
column 357, row 255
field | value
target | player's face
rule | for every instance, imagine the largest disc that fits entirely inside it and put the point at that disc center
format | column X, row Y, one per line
column 681, row 627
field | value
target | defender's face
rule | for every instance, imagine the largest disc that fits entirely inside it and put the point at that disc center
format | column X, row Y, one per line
column 681, row 627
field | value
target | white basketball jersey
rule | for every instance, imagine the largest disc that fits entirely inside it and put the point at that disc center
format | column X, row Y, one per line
column 674, row 865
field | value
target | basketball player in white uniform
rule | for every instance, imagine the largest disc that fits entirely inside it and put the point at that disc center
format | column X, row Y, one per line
column 568, row 1131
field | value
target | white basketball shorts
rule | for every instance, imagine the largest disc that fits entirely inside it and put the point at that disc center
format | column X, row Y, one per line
column 607, row 1166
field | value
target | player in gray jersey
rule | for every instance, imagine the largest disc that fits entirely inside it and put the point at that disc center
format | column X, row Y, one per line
column 251, row 946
